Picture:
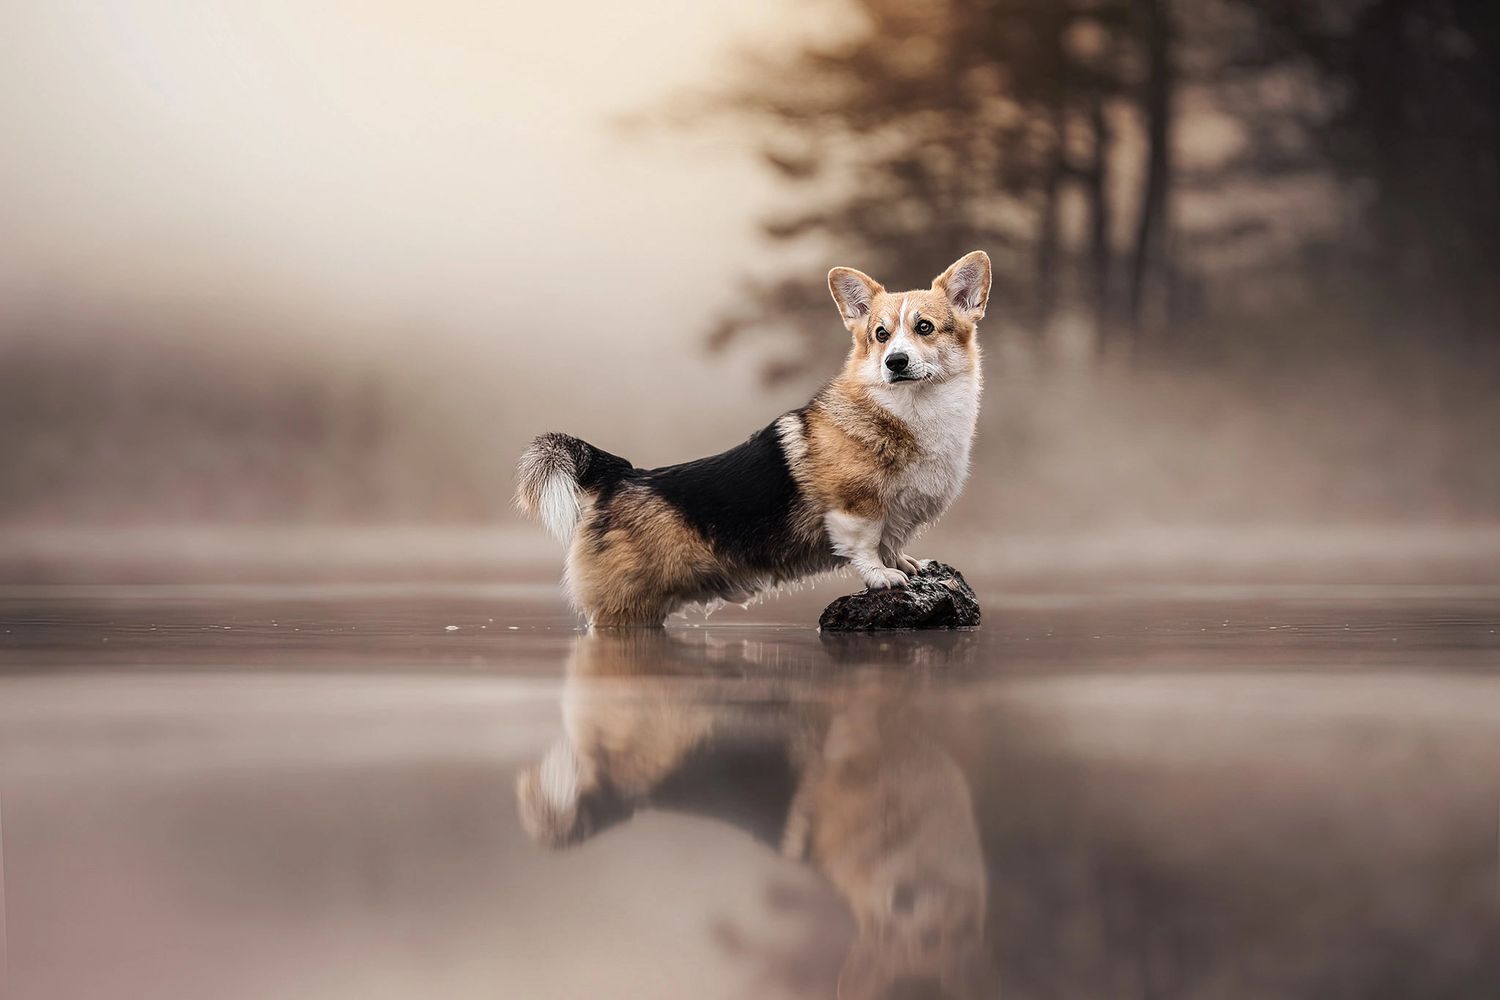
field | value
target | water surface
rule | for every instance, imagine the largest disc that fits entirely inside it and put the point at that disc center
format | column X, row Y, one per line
column 416, row 789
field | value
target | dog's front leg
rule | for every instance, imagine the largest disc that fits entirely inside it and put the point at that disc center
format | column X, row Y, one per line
column 905, row 563
column 857, row 539
column 892, row 554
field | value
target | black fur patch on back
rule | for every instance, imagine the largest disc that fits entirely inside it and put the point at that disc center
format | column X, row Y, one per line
column 741, row 500
column 594, row 468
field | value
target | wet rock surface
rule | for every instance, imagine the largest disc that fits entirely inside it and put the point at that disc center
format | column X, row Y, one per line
column 937, row 597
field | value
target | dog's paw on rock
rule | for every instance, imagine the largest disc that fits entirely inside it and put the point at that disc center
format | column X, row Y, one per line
column 937, row 597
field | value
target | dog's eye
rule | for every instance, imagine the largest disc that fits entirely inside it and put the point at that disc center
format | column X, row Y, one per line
column 924, row 326
column 881, row 335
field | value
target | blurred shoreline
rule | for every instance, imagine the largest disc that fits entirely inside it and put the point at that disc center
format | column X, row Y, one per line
column 1369, row 554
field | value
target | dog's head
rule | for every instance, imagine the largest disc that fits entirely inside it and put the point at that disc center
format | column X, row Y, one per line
column 912, row 338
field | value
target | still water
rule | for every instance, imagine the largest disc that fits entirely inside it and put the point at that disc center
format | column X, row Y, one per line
column 414, row 790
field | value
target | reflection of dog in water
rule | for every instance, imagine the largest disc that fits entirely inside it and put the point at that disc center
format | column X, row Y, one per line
column 844, row 778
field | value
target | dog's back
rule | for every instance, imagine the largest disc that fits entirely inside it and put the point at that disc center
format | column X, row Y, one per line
column 645, row 542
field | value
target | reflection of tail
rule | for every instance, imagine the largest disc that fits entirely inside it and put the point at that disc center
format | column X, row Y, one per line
column 555, row 475
column 559, row 805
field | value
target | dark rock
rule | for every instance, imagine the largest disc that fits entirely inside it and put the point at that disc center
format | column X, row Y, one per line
column 937, row 597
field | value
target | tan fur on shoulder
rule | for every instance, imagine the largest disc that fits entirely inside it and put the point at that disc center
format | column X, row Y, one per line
column 853, row 446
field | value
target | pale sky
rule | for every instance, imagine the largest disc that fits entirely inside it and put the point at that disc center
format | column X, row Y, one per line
column 448, row 164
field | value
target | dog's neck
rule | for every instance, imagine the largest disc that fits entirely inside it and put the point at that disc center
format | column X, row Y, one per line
column 940, row 415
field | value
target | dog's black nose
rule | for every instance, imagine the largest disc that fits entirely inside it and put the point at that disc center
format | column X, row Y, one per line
column 896, row 362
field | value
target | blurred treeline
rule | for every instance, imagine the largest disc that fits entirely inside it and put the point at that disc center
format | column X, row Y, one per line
column 222, row 410
column 1156, row 180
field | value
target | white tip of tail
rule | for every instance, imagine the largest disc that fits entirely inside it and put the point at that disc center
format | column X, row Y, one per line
column 548, row 485
column 558, row 506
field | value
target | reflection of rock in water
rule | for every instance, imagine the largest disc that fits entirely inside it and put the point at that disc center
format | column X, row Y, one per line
column 950, row 655
column 843, row 775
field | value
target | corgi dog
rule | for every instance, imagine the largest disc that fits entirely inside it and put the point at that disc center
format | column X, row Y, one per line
column 879, row 453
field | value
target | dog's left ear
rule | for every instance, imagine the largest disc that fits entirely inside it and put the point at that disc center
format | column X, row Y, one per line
column 967, row 285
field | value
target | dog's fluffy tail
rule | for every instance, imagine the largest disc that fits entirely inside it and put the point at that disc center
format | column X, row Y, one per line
column 557, row 473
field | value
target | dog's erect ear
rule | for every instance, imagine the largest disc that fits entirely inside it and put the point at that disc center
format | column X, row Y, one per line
column 967, row 284
column 853, row 291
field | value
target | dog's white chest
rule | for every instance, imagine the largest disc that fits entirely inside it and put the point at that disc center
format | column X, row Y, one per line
column 942, row 419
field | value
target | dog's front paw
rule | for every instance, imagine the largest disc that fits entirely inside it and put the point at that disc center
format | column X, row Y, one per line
column 908, row 565
column 883, row 577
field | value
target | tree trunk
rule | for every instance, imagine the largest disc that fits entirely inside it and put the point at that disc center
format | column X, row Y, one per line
column 1047, row 230
column 1150, row 261
column 1100, row 223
